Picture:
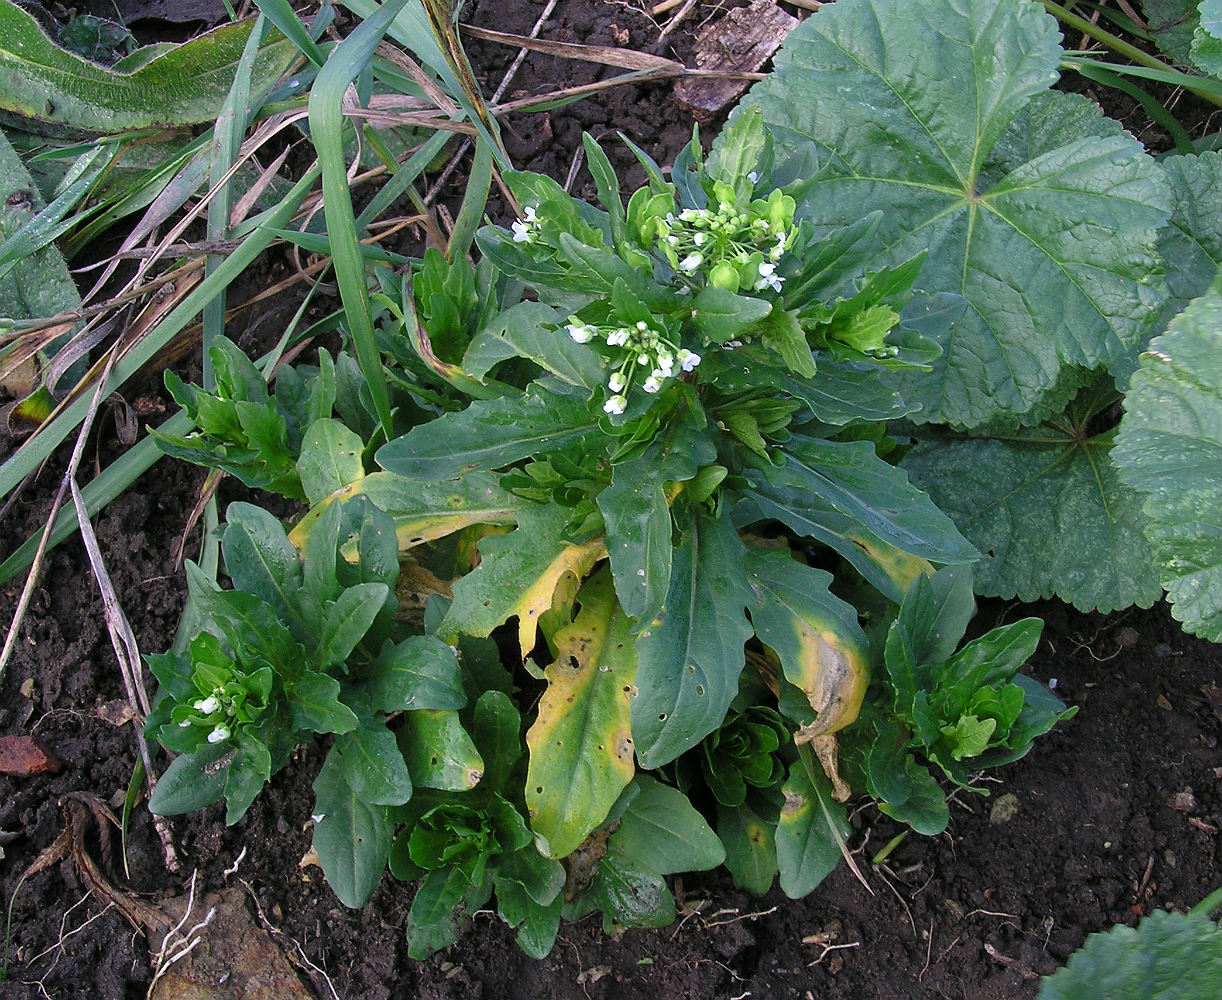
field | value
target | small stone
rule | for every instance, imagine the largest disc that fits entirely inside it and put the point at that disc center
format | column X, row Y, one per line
column 1184, row 801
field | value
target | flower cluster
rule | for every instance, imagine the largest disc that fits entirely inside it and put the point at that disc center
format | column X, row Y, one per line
column 734, row 248
column 226, row 698
column 644, row 348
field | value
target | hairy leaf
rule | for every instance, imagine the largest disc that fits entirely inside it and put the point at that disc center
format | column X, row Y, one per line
column 1054, row 255
column 1168, row 956
column 1169, row 448
column 1045, row 506
column 180, row 85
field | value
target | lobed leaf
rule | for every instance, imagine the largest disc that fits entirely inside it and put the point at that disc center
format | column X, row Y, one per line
column 1169, row 449
column 1054, row 256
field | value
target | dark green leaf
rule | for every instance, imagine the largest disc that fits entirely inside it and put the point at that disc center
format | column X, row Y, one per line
column 750, row 845
column 346, row 622
column 688, row 672
column 662, row 831
column 419, row 672
column 438, row 751
column 316, row 705
column 260, row 559
column 368, row 761
column 489, row 434
column 811, row 829
column 352, row 837
column 330, row 459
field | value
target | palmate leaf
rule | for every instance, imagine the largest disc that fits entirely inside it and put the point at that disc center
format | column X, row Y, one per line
column 690, row 662
column 1054, row 255
column 1168, row 956
column 1169, row 448
column 1191, row 244
column 581, row 742
column 1045, row 507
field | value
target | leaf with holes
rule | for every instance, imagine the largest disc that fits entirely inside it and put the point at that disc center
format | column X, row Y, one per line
column 581, row 742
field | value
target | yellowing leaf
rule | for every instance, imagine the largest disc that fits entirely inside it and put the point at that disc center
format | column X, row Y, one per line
column 581, row 750
column 899, row 566
column 519, row 574
column 814, row 634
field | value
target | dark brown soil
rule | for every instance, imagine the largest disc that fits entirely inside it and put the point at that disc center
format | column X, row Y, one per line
column 1115, row 814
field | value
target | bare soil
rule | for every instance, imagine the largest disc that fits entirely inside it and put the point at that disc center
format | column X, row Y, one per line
column 1114, row 814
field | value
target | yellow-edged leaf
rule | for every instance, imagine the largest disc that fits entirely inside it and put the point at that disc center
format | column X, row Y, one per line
column 581, row 750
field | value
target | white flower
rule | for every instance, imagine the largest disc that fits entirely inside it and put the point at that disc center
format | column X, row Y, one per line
column 523, row 229
column 642, row 359
column 185, row 724
column 687, row 215
column 617, row 382
column 666, row 365
column 642, row 325
column 729, row 345
column 580, row 332
column 219, row 734
column 776, row 252
column 691, row 262
column 618, row 338
column 206, row 706
column 652, row 384
column 768, row 277
column 616, row 404
column 699, row 238
column 688, row 359
column 752, row 176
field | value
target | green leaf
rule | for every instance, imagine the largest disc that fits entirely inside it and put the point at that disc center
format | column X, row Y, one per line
column 781, row 332
column 368, row 761
column 180, row 85
column 637, row 516
column 497, row 731
column 1172, row 23
column 317, row 708
column 1207, row 39
column 662, row 831
column 750, row 845
column 631, row 895
column 1045, row 506
column 844, row 495
column 1191, row 243
column 438, row 751
column 719, row 316
column 352, row 836
column 581, row 742
column 811, row 829
column 1169, row 448
column 330, row 459
column 192, row 781
column 489, row 434
column 346, row 622
column 1055, row 255
column 536, row 332
column 1168, row 956
column 419, row 672
column 689, row 671
column 260, row 559
column 441, row 905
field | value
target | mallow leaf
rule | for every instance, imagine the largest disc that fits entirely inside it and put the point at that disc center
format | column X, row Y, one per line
column 1054, row 255
column 1169, row 448
column 1166, row 957
column 1046, row 508
column 1191, row 244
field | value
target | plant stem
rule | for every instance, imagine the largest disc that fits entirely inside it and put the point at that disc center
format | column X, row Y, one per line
column 1116, row 44
column 1121, row 47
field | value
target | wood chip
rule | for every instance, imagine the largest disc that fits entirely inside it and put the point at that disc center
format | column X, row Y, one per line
column 740, row 42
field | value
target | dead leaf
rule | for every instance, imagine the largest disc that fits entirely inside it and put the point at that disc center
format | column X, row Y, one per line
column 22, row 756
